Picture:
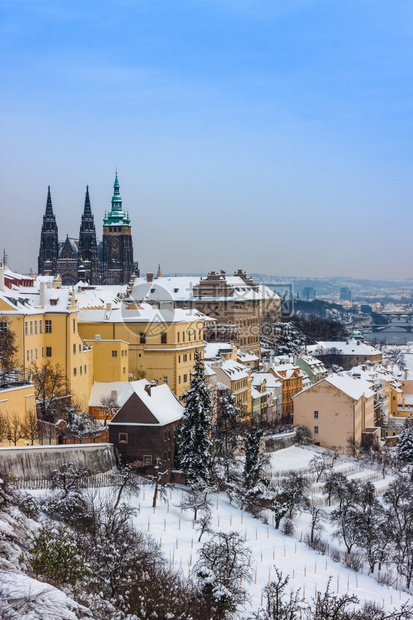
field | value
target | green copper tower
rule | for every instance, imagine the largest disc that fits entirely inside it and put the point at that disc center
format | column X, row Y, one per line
column 117, row 242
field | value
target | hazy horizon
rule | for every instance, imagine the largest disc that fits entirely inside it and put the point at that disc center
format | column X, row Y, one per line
column 247, row 134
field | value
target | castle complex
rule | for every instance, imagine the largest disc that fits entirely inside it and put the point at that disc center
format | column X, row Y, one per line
column 86, row 259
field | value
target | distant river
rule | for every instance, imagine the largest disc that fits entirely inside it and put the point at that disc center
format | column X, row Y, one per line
column 392, row 334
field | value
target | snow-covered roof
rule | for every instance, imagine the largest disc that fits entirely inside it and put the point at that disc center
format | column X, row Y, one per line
column 349, row 347
column 180, row 288
column 271, row 381
column 234, row 370
column 355, row 388
column 244, row 357
column 121, row 391
column 144, row 313
column 215, row 349
column 162, row 403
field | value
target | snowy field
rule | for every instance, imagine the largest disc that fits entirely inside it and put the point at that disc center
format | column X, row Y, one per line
column 309, row 570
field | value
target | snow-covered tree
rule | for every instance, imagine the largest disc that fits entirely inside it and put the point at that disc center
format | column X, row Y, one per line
column 194, row 443
column 405, row 445
column 225, row 436
column 223, row 569
column 253, row 463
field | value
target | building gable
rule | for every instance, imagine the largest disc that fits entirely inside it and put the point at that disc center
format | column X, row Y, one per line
column 134, row 411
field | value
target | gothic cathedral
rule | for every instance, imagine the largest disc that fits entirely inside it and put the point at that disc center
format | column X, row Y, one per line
column 85, row 259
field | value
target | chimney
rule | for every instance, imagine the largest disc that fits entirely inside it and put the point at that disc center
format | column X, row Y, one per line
column 149, row 277
column 114, row 395
column 42, row 294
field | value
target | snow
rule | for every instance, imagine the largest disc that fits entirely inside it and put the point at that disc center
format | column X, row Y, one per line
column 350, row 347
column 309, row 570
column 180, row 288
column 33, row 600
column 293, row 458
column 177, row 534
column 234, row 370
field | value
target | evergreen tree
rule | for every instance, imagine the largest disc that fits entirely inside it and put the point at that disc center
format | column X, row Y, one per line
column 225, row 435
column 194, row 443
column 253, row 463
column 405, row 445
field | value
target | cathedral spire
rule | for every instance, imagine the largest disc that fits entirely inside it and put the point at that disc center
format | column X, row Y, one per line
column 87, row 212
column 49, row 207
column 116, row 215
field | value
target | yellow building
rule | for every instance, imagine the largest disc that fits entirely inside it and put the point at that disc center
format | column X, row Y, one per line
column 45, row 323
column 161, row 341
column 238, row 379
column 19, row 399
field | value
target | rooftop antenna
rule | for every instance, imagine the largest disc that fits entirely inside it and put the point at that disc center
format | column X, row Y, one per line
column 4, row 258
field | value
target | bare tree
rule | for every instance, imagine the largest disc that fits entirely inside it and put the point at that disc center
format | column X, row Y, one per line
column 50, row 385
column 3, row 426
column 320, row 463
column 15, row 428
column 8, row 352
column 110, row 406
column 31, row 428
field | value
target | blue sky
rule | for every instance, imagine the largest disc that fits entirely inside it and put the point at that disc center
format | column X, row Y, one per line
column 267, row 135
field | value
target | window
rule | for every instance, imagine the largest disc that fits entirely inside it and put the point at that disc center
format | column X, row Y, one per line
column 35, row 353
column 35, row 327
column 179, row 361
column 31, row 327
column 4, row 327
column 123, row 438
column 80, row 348
column 179, row 379
column 102, row 413
column 25, row 328
column 147, row 459
column 42, row 351
column 163, row 338
column 142, row 340
column 179, row 337
column 126, row 353
column 315, row 415
column 48, row 326
column 114, row 354
column 185, row 357
column 315, row 430
column 40, row 327
column 74, row 349
column 28, row 355
column 74, row 372
column 85, row 368
column 74, row 325
column 165, row 380
column 185, row 378
column 124, row 370
column 48, row 351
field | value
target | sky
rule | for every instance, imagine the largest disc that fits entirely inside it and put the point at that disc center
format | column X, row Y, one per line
column 269, row 135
